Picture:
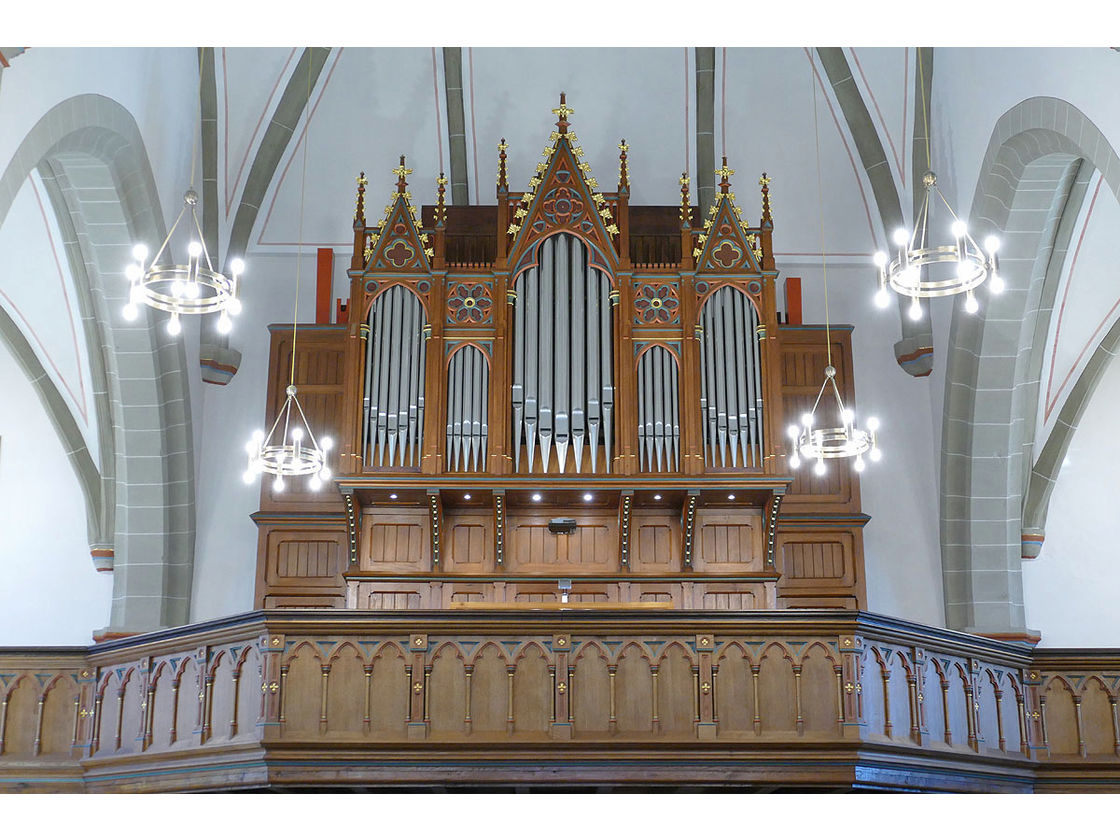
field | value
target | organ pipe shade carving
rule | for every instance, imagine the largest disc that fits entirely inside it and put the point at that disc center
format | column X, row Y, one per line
column 468, row 392
column 731, row 381
column 393, row 428
column 563, row 368
column 659, row 428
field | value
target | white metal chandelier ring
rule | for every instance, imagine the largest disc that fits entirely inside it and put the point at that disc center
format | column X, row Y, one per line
column 906, row 277
column 168, row 288
column 837, row 442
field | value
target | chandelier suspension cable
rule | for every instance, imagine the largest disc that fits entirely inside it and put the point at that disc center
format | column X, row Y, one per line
column 279, row 457
column 844, row 440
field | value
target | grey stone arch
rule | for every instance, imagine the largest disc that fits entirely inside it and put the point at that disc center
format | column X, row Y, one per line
column 90, row 153
column 1032, row 182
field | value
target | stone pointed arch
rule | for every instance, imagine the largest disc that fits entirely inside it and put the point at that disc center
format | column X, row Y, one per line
column 85, row 148
column 991, row 387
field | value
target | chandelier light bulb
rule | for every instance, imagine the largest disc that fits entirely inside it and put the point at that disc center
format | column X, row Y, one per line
column 324, row 474
column 297, row 433
column 237, row 265
column 177, row 288
column 959, row 229
column 251, row 447
column 996, row 284
column 225, row 324
column 249, row 475
column 971, row 305
column 848, row 415
column 258, row 436
column 793, row 432
column 132, row 272
column 900, row 237
column 794, row 461
column 234, row 306
column 130, row 311
column 819, row 468
column 315, row 483
column 326, row 443
column 173, row 325
column 915, row 310
column 872, row 424
column 880, row 259
column 807, row 420
column 875, row 454
column 859, row 465
column 882, row 298
column 190, row 292
column 991, row 244
column 195, row 249
column 140, row 252
column 278, row 485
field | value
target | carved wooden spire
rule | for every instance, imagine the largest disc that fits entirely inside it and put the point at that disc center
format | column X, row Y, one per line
column 503, row 176
column 563, row 112
column 764, row 182
column 623, row 173
column 360, row 207
column 441, row 203
column 400, row 172
column 686, row 204
column 724, row 173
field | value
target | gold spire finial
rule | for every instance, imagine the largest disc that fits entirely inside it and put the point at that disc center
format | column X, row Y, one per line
column 400, row 172
column 623, row 174
column 441, row 205
column 724, row 173
column 764, row 182
column 563, row 112
column 360, row 207
column 686, row 206
column 503, row 180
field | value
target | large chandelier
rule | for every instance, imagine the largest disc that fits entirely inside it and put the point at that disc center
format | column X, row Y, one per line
column 294, row 451
column 824, row 443
column 923, row 270
column 191, row 289
column 844, row 440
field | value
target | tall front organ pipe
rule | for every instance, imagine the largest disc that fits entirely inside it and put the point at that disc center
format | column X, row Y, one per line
column 563, row 366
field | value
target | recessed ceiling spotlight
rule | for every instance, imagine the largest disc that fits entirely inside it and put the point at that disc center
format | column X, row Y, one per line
column 466, row 497
column 657, row 497
column 392, row 495
column 587, row 497
column 730, row 497
column 536, row 497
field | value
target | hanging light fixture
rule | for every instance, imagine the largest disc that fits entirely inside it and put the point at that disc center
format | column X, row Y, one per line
column 295, row 450
column 923, row 270
column 191, row 289
column 811, row 442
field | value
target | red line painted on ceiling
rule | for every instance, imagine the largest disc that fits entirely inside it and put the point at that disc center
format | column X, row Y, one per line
column 844, row 140
column 474, row 135
column 687, row 153
column 3, row 60
column 723, row 106
column 292, row 156
column 1052, row 396
column 231, row 187
column 905, row 105
column 69, row 314
column 439, row 119
column 875, row 102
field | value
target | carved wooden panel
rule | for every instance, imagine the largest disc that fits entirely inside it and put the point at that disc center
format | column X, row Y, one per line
column 395, row 539
column 728, row 540
column 389, row 595
column 469, row 543
column 655, row 542
column 306, row 558
column 812, row 559
column 592, row 548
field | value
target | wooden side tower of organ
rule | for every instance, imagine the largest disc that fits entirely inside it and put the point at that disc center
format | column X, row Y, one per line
column 561, row 401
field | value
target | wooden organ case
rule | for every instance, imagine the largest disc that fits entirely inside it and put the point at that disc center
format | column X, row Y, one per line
column 560, row 402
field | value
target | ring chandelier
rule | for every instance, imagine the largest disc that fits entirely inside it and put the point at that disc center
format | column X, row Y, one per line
column 294, row 453
column 826, row 443
column 191, row 289
column 922, row 270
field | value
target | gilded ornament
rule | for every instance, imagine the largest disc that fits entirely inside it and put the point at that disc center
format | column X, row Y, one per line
column 417, row 687
column 520, row 213
column 429, row 253
column 612, row 229
column 597, row 198
column 605, row 213
column 561, row 688
column 512, row 229
column 401, row 171
column 705, row 688
column 593, row 183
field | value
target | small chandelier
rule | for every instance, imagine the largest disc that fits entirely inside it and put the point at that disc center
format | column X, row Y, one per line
column 294, row 452
column 191, row 289
column 922, row 270
column 842, row 441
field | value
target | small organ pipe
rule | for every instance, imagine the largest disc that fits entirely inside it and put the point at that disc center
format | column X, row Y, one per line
column 561, row 333
column 737, row 303
column 578, row 346
column 655, row 399
column 594, row 407
column 532, row 351
column 606, row 363
column 394, row 380
column 675, row 413
column 518, row 371
column 476, row 407
column 544, row 359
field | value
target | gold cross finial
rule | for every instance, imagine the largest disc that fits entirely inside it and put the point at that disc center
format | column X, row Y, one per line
column 724, row 171
column 503, row 145
column 623, row 147
column 763, row 181
column 402, row 170
column 441, row 180
column 564, row 111
column 683, row 180
column 362, row 180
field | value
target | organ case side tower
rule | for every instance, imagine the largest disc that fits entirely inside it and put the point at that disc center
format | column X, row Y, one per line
column 562, row 355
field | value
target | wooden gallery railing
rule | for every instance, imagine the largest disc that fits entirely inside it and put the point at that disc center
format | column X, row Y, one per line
column 827, row 699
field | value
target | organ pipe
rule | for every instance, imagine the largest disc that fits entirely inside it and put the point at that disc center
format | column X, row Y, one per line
column 731, row 381
column 468, row 426
column 393, row 428
column 563, row 379
column 659, row 430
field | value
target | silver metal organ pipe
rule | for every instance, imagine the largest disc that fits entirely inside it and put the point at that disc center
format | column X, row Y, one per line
column 545, row 355
column 606, row 364
column 655, row 404
column 578, row 345
column 591, row 345
column 532, row 350
column 675, row 413
column 564, row 359
column 731, row 381
column 394, row 397
column 483, row 397
column 668, row 410
column 476, row 407
column 518, row 370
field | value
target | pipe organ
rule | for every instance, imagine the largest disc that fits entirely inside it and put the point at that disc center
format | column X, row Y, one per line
column 561, row 401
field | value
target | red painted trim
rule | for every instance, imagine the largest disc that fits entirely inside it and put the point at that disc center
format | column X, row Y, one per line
column 875, row 102
column 1052, row 396
column 687, row 152
column 324, row 276
column 4, row 61
column 723, row 106
column 474, row 134
column 793, row 300
column 905, row 103
column 844, row 140
column 439, row 118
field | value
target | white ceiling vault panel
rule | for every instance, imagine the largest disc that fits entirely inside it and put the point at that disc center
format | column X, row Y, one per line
column 368, row 107
column 250, row 82
column 765, row 108
column 885, row 79
column 38, row 292
column 632, row 93
column 1087, row 303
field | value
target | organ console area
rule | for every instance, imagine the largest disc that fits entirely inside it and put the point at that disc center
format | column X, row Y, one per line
column 560, row 401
